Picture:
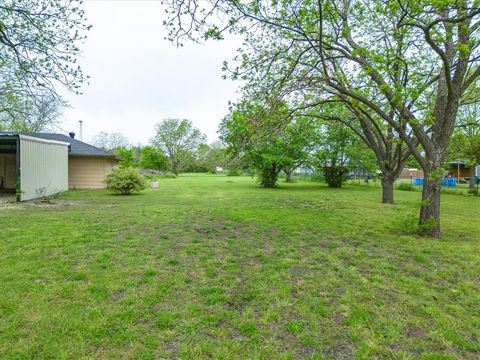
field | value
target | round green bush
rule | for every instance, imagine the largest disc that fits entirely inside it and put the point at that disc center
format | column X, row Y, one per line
column 234, row 172
column 125, row 181
column 405, row 186
column 335, row 175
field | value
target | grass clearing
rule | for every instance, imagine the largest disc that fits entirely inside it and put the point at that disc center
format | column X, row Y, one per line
column 215, row 267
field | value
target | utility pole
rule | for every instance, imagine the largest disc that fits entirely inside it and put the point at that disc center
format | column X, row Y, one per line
column 80, row 135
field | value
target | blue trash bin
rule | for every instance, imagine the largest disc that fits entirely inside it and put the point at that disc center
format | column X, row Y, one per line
column 449, row 182
column 417, row 181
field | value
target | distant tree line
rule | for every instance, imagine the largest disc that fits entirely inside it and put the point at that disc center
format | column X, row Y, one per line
column 177, row 146
column 269, row 139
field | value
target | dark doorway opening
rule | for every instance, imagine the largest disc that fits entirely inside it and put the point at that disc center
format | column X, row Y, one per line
column 8, row 165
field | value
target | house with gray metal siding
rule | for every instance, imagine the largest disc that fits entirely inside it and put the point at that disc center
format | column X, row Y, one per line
column 34, row 167
column 40, row 164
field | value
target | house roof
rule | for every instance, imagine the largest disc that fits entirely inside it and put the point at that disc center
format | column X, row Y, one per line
column 456, row 162
column 77, row 147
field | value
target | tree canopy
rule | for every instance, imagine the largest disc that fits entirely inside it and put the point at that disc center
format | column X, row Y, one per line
column 110, row 141
column 39, row 45
column 153, row 158
column 177, row 137
column 408, row 64
column 33, row 116
column 267, row 139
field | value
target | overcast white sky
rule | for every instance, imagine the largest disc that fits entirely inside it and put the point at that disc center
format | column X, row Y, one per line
column 137, row 78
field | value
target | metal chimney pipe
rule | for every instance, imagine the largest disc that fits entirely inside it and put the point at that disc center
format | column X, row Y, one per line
column 80, row 134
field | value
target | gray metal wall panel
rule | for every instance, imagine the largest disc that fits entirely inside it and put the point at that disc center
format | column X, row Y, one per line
column 43, row 167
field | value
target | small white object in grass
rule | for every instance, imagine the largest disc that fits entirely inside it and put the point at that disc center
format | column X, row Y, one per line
column 154, row 184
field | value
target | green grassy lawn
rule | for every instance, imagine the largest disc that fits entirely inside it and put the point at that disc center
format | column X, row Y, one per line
column 215, row 267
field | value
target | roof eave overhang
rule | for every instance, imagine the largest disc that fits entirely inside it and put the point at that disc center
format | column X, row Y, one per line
column 43, row 141
column 96, row 156
column 8, row 136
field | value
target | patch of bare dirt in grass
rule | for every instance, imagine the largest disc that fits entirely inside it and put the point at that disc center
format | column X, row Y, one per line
column 7, row 206
column 340, row 352
column 205, row 230
column 7, row 203
column 171, row 348
column 340, row 349
column 318, row 205
column 414, row 332
column 52, row 204
column 226, row 229
column 117, row 296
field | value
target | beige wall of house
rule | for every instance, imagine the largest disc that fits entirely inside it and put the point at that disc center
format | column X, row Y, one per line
column 89, row 172
column 411, row 173
column 8, row 172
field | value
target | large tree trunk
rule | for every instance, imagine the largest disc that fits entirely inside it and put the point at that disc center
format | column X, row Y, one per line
column 435, row 147
column 387, row 189
column 429, row 222
column 175, row 166
column 269, row 176
column 288, row 174
column 389, row 176
column 471, row 184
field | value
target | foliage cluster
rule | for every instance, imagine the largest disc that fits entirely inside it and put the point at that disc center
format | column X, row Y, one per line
column 125, row 181
column 177, row 147
column 400, row 70
column 265, row 138
column 39, row 46
column 405, row 186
